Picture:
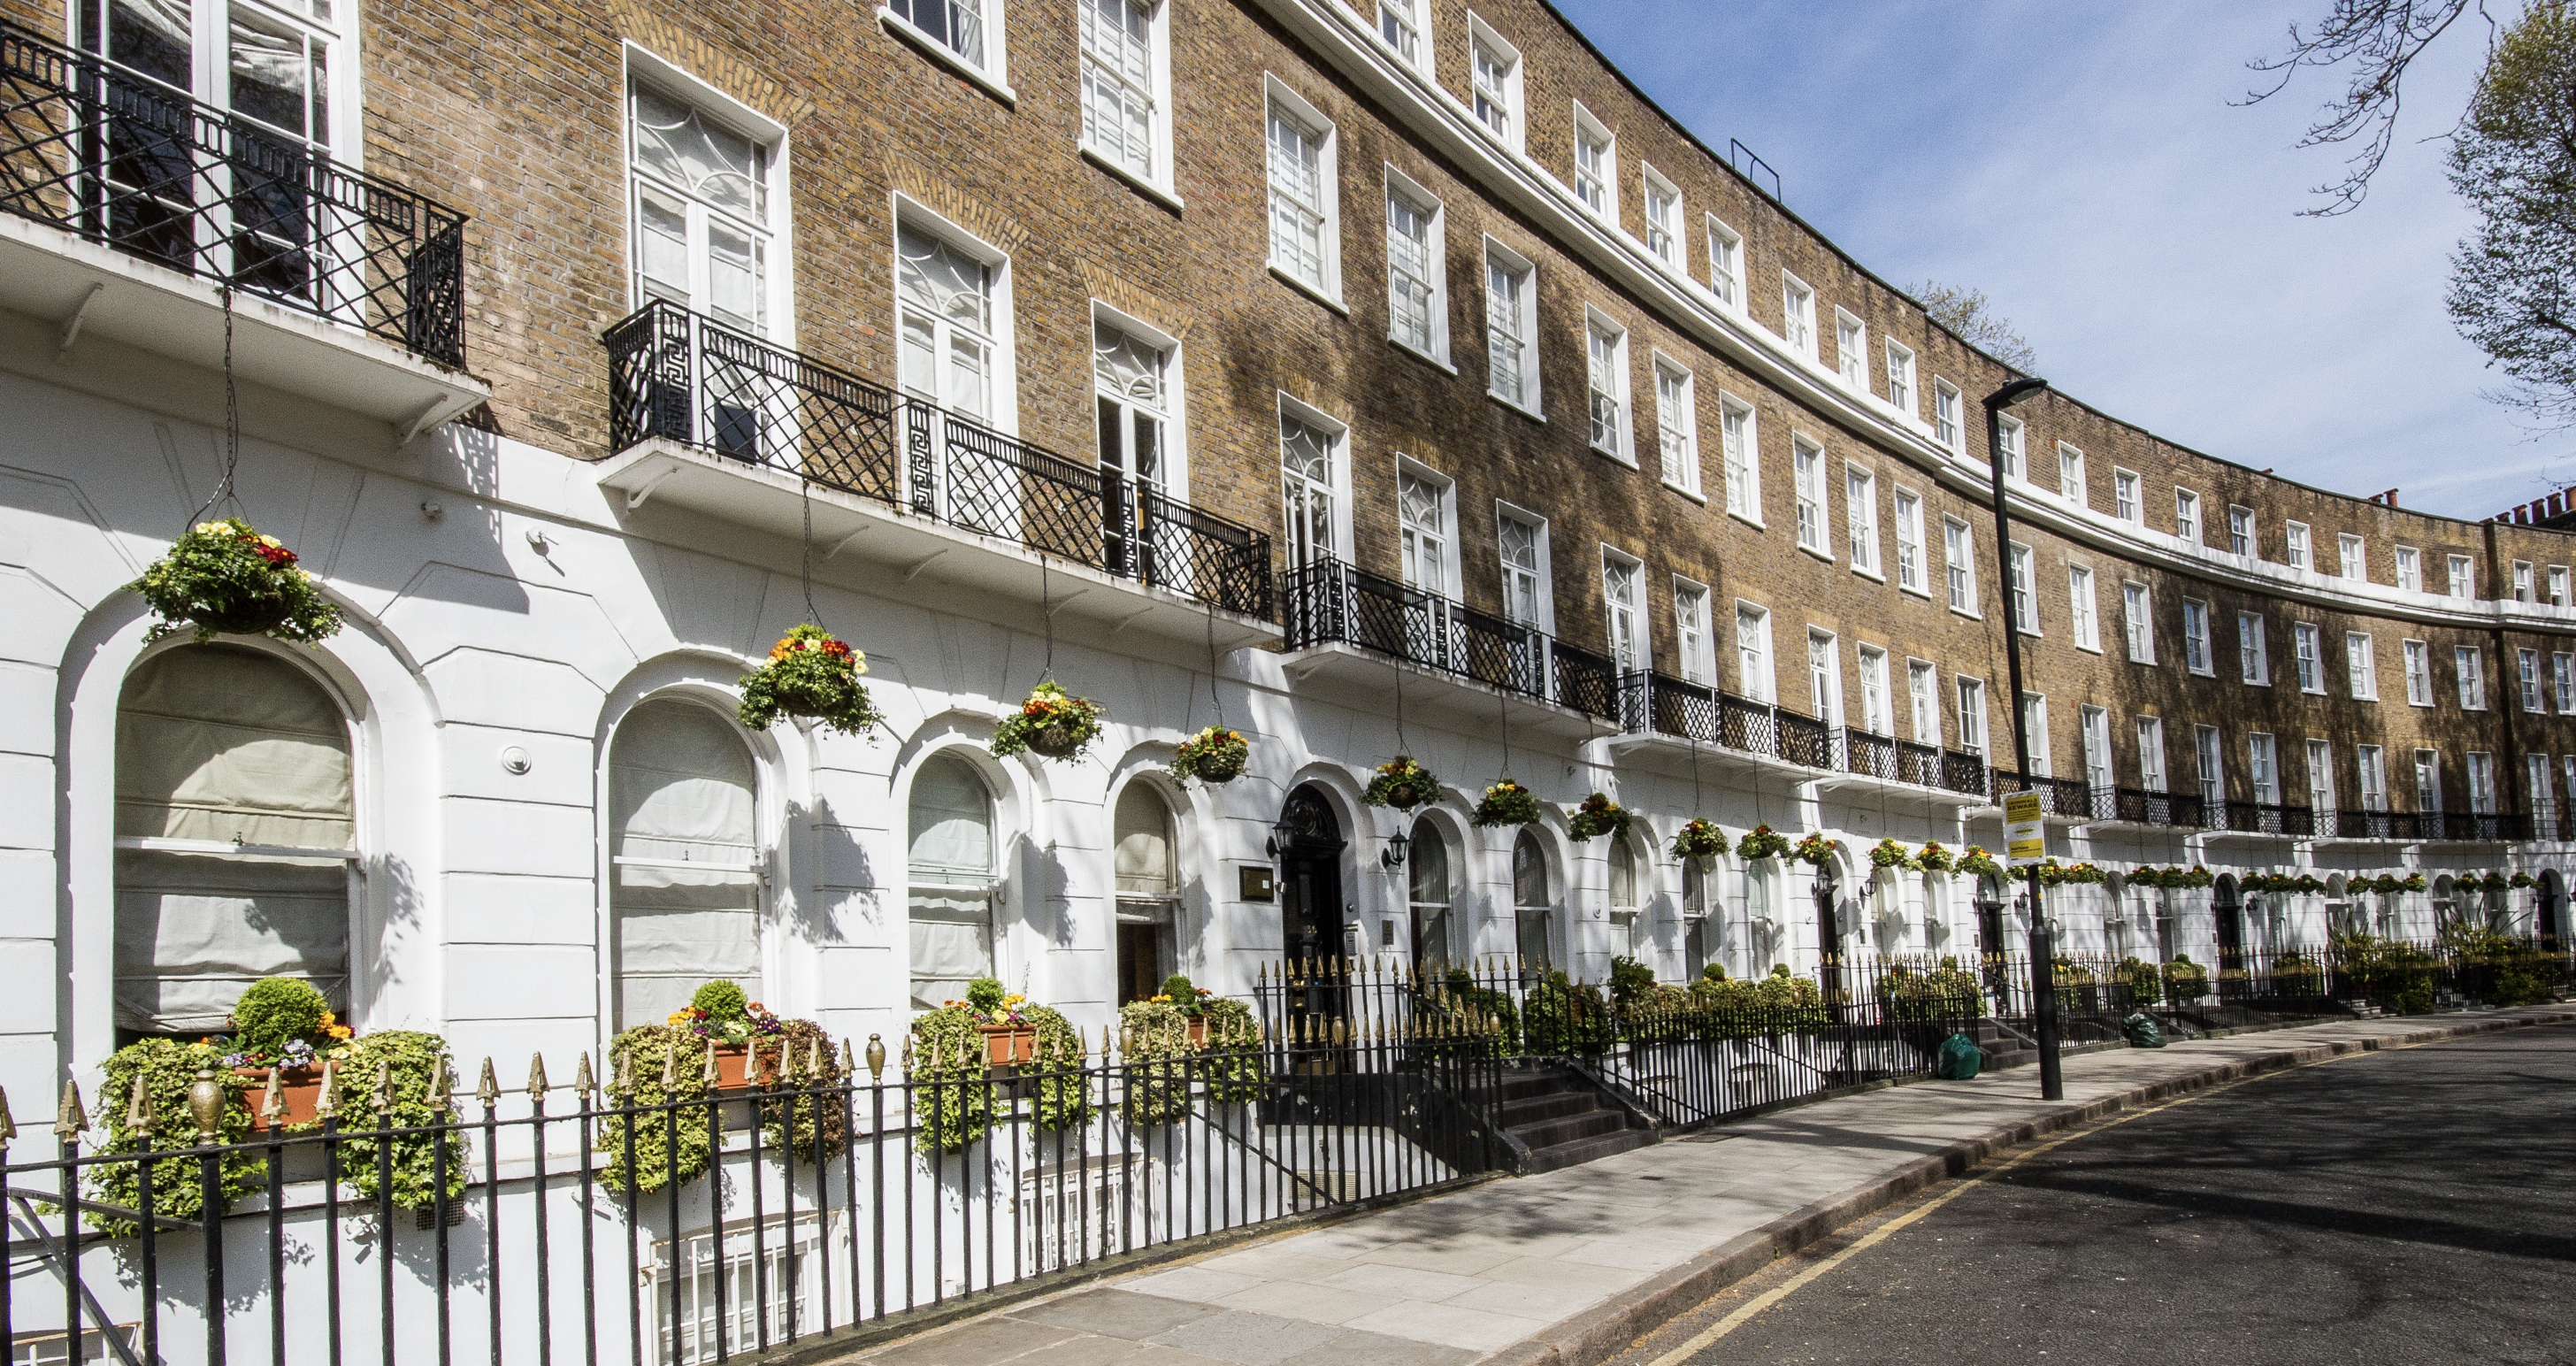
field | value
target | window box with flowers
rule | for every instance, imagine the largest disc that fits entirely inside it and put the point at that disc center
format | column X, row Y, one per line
column 950, row 1059
column 1214, row 755
column 1402, row 783
column 1700, row 839
column 812, row 675
column 1052, row 723
column 1762, row 842
column 1507, row 803
column 1597, row 815
column 225, row 577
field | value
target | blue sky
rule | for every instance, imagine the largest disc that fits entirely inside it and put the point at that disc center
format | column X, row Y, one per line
column 2082, row 165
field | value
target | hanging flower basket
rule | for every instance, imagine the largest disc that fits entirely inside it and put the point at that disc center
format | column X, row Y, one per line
column 2493, row 882
column 1890, row 854
column 2414, row 882
column 812, row 675
column 1815, row 850
column 1401, row 783
column 225, row 578
column 1053, row 723
column 1699, row 839
column 1932, row 858
column 1214, row 755
column 1978, row 863
column 1762, row 842
column 1598, row 815
column 2519, row 880
column 1507, row 803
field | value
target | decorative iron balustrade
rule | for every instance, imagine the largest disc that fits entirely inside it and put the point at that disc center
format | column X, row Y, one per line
column 2138, row 806
column 682, row 377
column 1660, row 704
column 2070, row 798
column 120, row 159
column 2370, row 825
column 1330, row 602
column 2480, row 827
column 2268, row 818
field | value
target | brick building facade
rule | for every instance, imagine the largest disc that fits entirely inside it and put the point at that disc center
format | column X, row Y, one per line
column 1525, row 436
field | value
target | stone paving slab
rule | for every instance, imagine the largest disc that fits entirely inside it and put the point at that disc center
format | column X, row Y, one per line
column 1568, row 1267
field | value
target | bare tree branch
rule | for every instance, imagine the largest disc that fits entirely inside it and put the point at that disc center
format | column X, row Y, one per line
column 2380, row 40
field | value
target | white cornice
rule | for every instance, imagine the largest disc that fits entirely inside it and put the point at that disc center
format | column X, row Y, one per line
column 1340, row 36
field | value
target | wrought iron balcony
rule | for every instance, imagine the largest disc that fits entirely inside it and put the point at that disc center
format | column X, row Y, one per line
column 1660, row 704
column 688, row 379
column 119, row 159
column 1330, row 602
column 2349, row 824
column 2070, row 798
column 2138, row 806
column 2266, row 818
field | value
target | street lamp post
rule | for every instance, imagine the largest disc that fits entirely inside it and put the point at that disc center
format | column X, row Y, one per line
column 2043, row 957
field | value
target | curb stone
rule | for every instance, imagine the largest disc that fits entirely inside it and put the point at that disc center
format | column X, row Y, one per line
column 1607, row 1329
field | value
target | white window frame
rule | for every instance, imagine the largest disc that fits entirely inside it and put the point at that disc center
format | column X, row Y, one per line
column 1002, row 373
column 1440, row 539
column 1156, row 174
column 1923, row 700
column 1596, row 188
column 2151, row 754
column 2307, row 649
column 1726, row 264
column 1171, row 474
column 1740, row 444
column 1959, row 564
column 2021, row 577
column 2263, row 767
column 1542, row 582
column 2082, row 608
column 1677, row 425
column 2482, row 784
column 2353, row 556
column 2527, row 666
column 1900, row 378
column 2244, row 535
column 2462, row 581
column 1610, row 415
column 1285, row 105
column 1435, row 281
column 2295, row 547
column 1851, row 350
column 1641, row 634
column 2199, row 652
column 1663, row 235
column 2210, row 755
column 2187, row 516
column 2093, row 725
column 1499, row 98
column 1798, row 316
column 2010, row 431
column 774, row 236
column 2410, row 569
column 1807, row 472
column 2321, row 779
column 1524, row 273
column 2071, row 483
column 2558, row 590
column 2361, row 665
column 1877, row 703
column 2253, row 650
column 1949, row 425
column 1756, row 675
column 2522, row 581
column 991, row 70
column 2469, row 662
column 1909, row 543
column 1860, row 514
column 1692, row 638
column 2370, row 775
column 2138, row 620
column 2419, row 673
column 1970, row 698
column 2428, row 781
column 2562, row 675
column 1338, row 487
column 2034, row 710
column 2125, row 495
column 1407, row 23
column 1825, row 676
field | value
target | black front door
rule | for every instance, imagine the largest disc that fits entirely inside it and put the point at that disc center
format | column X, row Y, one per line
column 1310, row 919
column 2229, row 912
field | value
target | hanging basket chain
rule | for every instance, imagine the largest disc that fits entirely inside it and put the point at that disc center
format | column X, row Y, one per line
column 223, row 490
column 1046, row 608
column 1214, row 696
column 805, row 503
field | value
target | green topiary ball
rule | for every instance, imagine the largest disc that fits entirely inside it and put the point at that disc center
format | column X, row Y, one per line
column 985, row 994
column 722, row 1001
column 277, row 1011
column 1179, row 987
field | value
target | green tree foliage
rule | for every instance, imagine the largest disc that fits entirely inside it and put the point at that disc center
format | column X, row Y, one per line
column 2513, row 161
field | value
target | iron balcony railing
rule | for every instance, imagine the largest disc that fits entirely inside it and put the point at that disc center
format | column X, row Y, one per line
column 1329, row 602
column 2369, row 825
column 686, row 378
column 2267, row 818
column 2138, row 806
column 1660, row 704
column 118, row 158
column 2071, row 798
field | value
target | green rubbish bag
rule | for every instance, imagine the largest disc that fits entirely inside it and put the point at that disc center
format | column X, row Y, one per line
column 2142, row 1031
column 1960, row 1059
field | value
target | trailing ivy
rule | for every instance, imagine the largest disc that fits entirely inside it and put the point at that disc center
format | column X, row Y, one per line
column 410, row 1062
column 1154, row 1044
column 795, row 1049
column 952, row 1099
column 1563, row 1016
column 168, row 1068
column 636, row 1062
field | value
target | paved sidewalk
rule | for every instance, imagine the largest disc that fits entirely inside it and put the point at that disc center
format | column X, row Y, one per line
column 1569, row 1267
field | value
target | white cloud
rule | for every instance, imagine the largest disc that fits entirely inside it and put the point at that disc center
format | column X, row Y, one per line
column 2083, row 166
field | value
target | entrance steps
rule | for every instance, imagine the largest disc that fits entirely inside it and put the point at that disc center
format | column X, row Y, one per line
column 1555, row 1117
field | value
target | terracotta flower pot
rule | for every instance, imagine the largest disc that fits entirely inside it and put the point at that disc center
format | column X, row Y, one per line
column 1198, row 1033
column 734, row 1069
column 1008, row 1045
column 1054, row 740
column 299, row 1089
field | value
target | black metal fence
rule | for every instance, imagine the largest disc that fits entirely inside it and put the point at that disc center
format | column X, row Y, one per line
column 1659, row 704
column 120, row 159
column 679, row 376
